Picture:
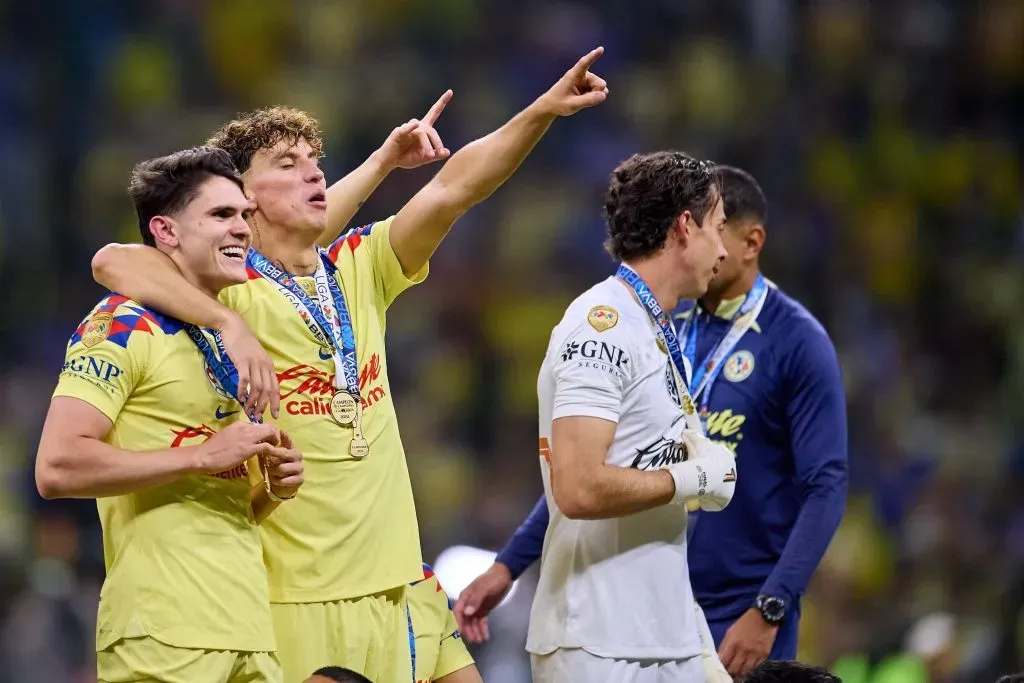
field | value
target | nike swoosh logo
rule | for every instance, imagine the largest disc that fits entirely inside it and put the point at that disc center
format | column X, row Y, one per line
column 222, row 416
column 324, row 354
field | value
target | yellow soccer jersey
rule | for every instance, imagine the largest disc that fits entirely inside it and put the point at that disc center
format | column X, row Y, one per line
column 352, row 529
column 184, row 561
column 439, row 647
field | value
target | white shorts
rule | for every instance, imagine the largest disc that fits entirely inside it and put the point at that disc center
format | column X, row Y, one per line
column 576, row 665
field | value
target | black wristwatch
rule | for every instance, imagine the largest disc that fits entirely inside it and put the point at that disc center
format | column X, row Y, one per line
column 772, row 609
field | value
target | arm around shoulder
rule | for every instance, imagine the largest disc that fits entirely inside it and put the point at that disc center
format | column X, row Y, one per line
column 150, row 277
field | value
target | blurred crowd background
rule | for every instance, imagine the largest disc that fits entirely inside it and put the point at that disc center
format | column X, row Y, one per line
column 887, row 136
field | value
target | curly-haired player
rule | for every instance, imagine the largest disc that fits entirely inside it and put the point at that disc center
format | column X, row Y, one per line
column 341, row 555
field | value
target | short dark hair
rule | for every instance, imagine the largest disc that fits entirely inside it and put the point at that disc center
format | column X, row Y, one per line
column 647, row 193
column 743, row 197
column 165, row 185
column 341, row 675
column 782, row 671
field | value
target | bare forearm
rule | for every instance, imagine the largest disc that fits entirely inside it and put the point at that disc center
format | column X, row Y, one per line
column 467, row 179
column 480, row 168
column 345, row 197
column 88, row 468
column 607, row 492
column 162, row 287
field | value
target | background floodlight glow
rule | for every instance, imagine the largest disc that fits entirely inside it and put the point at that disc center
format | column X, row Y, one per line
column 456, row 567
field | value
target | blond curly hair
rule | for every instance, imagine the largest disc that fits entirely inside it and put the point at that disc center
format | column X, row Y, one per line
column 264, row 128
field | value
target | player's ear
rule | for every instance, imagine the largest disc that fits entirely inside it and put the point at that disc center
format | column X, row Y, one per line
column 164, row 230
column 684, row 223
column 754, row 241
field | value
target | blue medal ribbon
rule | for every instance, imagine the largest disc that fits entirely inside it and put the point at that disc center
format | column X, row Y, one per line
column 412, row 642
column 667, row 334
column 705, row 374
column 328, row 318
column 225, row 375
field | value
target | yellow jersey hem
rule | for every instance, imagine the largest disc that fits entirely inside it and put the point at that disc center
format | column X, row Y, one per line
column 292, row 596
column 447, row 671
column 113, row 639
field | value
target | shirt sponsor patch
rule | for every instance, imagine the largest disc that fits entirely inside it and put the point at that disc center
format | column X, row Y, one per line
column 739, row 366
column 603, row 318
column 599, row 355
column 97, row 329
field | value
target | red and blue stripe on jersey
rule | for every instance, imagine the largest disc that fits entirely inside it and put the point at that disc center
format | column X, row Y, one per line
column 128, row 317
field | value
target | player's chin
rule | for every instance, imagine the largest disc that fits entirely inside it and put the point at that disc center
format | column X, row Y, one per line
column 232, row 270
column 316, row 215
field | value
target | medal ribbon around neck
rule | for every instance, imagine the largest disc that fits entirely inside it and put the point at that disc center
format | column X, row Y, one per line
column 223, row 371
column 327, row 318
column 705, row 374
column 667, row 334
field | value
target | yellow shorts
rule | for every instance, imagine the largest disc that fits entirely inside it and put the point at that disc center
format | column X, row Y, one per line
column 146, row 660
column 368, row 634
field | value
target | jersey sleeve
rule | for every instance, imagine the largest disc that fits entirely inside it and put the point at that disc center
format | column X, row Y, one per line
column 816, row 410
column 452, row 654
column 375, row 239
column 592, row 366
column 104, row 363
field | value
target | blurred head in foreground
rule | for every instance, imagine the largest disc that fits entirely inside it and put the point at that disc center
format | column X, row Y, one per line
column 336, row 674
column 775, row 671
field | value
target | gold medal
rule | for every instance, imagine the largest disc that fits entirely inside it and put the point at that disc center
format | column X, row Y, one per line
column 688, row 406
column 344, row 407
column 359, row 448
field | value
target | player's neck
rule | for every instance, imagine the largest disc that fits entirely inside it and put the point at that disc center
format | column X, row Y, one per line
column 294, row 253
column 662, row 281
column 208, row 288
column 738, row 287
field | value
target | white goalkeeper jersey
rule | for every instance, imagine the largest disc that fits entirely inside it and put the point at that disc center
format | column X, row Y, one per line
column 619, row 587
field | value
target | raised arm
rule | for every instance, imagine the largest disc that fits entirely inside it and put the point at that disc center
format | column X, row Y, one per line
column 412, row 144
column 150, row 277
column 478, row 169
column 74, row 462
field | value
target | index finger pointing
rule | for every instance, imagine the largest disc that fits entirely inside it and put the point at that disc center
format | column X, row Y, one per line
column 435, row 111
column 587, row 60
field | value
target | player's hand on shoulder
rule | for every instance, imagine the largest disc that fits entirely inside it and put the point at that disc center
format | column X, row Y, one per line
column 285, row 468
column 478, row 599
column 235, row 444
column 416, row 142
column 578, row 89
column 257, row 380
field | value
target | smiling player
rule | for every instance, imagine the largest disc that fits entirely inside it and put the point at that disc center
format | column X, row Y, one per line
column 340, row 558
column 185, row 598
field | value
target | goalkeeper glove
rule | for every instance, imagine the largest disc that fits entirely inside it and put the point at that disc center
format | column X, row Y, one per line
column 707, row 476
